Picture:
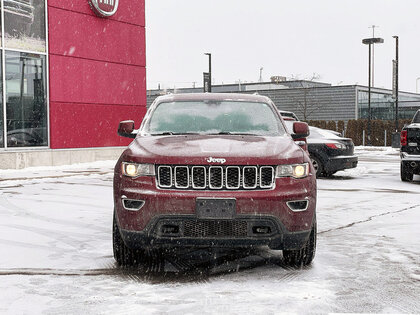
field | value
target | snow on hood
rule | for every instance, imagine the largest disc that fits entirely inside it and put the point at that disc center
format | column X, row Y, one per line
column 197, row 149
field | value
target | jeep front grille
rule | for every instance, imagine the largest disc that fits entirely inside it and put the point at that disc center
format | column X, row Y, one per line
column 215, row 177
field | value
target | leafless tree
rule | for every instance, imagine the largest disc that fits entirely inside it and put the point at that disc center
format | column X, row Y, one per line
column 305, row 99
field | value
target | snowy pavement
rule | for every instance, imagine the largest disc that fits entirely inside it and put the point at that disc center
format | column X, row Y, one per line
column 56, row 251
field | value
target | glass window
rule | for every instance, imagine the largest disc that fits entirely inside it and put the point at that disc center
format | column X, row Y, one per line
column 24, row 24
column 214, row 118
column 382, row 106
column 1, row 44
column 1, row 106
column 26, row 108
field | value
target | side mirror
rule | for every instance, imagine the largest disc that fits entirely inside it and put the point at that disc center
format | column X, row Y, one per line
column 126, row 128
column 300, row 130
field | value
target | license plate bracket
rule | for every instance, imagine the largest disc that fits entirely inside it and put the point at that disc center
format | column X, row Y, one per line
column 215, row 208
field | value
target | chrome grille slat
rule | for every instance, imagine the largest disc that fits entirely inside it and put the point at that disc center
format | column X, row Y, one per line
column 206, row 177
column 266, row 176
column 216, row 177
column 182, row 177
column 233, row 175
column 250, row 177
column 165, row 176
column 199, row 178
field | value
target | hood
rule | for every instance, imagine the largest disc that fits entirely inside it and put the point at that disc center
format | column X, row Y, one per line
column 217, row 150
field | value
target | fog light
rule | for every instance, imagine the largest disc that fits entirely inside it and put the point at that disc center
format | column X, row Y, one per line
column 300, row 205
column 170, row 229
column 261, row 230
column 132, row 204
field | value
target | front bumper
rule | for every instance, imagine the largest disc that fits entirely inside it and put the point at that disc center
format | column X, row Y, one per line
column 339, row 163
column 162, row 202
column 409, row 157
column 410, row 162
column 189, row 231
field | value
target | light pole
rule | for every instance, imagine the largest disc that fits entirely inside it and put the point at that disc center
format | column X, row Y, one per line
column 209, row 78
column 417, row 82
column 395, row 79
column 370, row 42
column 373, row 54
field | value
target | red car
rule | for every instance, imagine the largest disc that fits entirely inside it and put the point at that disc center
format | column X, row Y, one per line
column 214, row 170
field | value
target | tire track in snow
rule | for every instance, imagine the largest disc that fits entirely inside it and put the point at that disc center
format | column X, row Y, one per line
column 378, row 190
column 368, row 219
column 150, row 273
column 10, row 207
column 59, row 272
column 84, row 174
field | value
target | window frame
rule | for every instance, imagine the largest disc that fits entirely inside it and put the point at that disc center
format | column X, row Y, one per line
column 3, row 51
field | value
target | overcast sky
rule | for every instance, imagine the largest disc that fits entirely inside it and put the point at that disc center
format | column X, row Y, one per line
column 286, row 37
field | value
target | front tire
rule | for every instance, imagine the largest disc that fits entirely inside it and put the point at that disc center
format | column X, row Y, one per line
column 124, row 255
column 317, row 164
column 406, row 173
column 304, row 256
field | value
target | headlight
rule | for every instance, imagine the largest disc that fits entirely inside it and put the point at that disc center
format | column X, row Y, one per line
column 136, row 170
column 295, row 170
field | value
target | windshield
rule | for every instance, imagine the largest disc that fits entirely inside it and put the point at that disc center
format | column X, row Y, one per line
column 209, row 117
column 416, row 119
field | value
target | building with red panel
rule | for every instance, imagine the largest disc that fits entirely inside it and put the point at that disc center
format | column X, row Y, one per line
column 70, row 71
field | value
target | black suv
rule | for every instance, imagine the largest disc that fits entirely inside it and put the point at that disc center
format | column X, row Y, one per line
column 410, row 149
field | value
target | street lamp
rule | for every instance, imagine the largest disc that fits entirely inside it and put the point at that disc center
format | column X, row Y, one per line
column 370, row 42
column 417, row 82
column 395, row 82
column 207, row 79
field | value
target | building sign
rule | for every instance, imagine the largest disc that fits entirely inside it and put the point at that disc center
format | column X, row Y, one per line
column 104, row 8
column 206, row 82
column 394, row 79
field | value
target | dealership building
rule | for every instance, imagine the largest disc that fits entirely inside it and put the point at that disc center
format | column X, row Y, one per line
column 70, row 71
column 311, row 100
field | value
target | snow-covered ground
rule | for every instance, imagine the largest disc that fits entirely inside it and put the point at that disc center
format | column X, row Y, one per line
column 56, row 251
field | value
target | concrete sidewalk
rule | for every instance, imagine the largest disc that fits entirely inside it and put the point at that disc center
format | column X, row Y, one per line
column 99, row 167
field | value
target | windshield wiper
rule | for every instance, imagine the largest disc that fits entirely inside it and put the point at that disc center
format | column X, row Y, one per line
column 166, row 133
column 235, row 133
column 170, row 133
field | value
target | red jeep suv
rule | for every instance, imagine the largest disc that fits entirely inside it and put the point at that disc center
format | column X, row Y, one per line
column 214, row 170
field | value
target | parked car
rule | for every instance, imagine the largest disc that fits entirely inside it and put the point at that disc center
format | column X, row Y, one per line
column 27, row 137
column 410, row 149
column 329, row 151
column 213, row 170
column 292, row 115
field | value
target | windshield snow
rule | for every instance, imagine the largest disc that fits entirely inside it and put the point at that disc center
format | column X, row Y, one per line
column 221, row 117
